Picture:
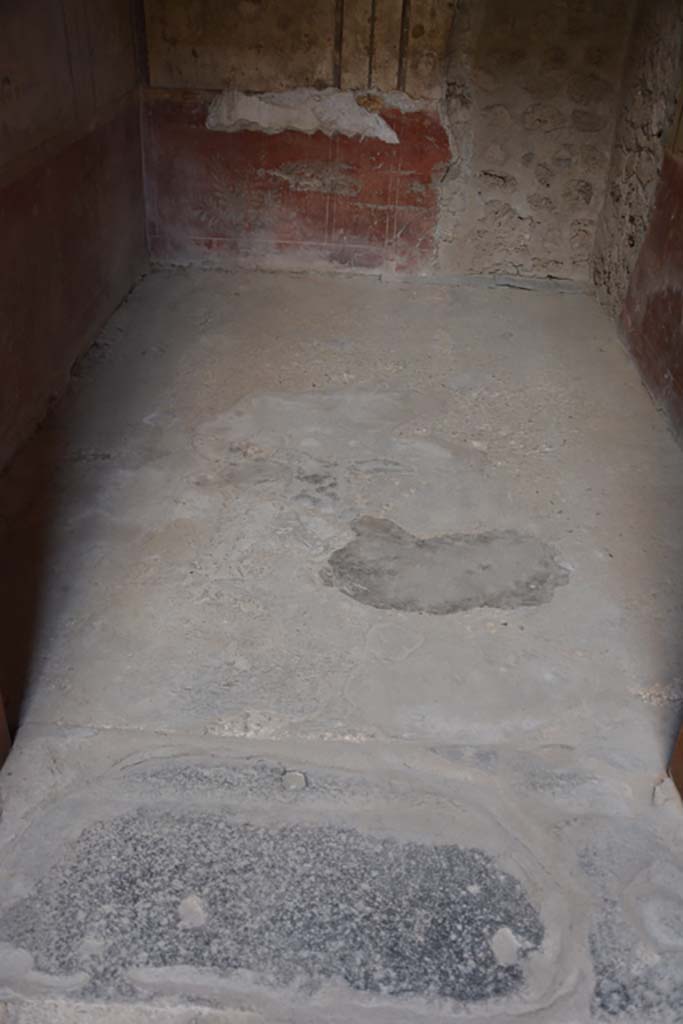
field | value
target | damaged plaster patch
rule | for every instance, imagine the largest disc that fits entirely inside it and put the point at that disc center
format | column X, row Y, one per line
column 330, row 111
column 387, row 567
column 317, row 176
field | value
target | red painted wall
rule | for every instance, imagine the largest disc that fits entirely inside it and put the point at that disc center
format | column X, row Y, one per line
column 289, row 200
column 71, row 245
column 652, row 318
column 71, row 198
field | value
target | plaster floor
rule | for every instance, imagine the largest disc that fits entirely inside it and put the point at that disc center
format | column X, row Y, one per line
column 356, row 665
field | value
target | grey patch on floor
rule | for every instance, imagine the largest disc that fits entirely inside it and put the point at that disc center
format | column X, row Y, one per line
column 635, row 936
column 634, row 982
column 637, row 949
column 291, row 905
column 252, row 779
column 387, row 567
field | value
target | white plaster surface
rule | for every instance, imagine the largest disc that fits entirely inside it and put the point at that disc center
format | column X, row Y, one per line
column 330, row 111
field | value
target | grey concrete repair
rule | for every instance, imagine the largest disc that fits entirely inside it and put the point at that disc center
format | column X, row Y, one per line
column 387, row 567
column 356, row 668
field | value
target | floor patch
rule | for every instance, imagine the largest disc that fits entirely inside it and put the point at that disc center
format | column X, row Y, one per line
column 387, row 567
column 292, row 905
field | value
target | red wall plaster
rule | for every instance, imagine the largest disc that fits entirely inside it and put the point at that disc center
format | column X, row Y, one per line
column 652, row 318
column 289, row 199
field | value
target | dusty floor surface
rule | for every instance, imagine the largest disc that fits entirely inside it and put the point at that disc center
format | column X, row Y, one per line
column 357, row 663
